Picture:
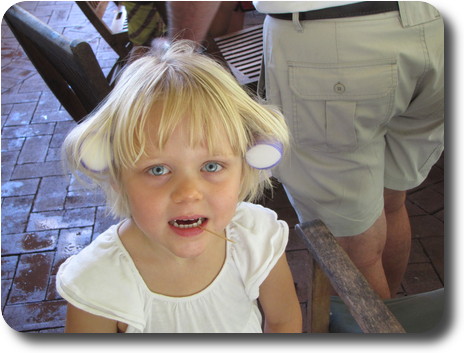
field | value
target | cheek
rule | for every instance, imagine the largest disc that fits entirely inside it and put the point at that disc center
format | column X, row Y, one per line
column 140, row 202
column 230, row 197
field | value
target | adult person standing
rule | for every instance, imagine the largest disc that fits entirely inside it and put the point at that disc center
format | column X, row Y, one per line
column 362, row 88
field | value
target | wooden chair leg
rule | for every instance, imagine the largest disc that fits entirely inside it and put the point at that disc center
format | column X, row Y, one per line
column 318, row 309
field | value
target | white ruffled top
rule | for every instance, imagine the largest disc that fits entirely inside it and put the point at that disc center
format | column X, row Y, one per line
column 103, row 280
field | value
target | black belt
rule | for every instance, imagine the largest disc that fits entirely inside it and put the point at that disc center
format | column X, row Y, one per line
column 357, row 9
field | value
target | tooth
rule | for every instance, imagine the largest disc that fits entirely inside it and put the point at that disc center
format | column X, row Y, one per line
column 193, row 225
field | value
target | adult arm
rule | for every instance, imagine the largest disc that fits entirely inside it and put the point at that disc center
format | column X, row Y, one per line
column 190, row 19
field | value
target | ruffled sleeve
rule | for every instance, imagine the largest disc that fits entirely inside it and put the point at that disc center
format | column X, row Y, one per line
column 101, row 281
column 260, row 240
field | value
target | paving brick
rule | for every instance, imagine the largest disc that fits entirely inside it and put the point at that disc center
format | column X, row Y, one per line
column 21, row 114
column 43, row 10
column 420, row 278
column 60, row 14
column 428, row 199
column 8, row 82
column 6, row 172
column 63, row 127
column 61, row 131
column 31, row 281
column 79, row 182
column 9, row 157
column 84, row 198
column 20, row 187
column 435, row 249
column 14, row 97
column 55, row 115
column 37, row 170
column 413, row 209
column 426, row 226
column 21, row 73
column 6, row 108
column 47, row 103
column 9, row 145
column 15, row 213
column 439, row 187
column 52, row 293
column 35, row 316
column 35, row 149
column 53, row 155
column 440, row 215
column 418, row 254
column 71, row 242
column 34, row 83
column 52, row 194
column 103, row 221
column 6, row 285
column 28, row 130
column 74, row 218
column 9, row 266
column 29, row 242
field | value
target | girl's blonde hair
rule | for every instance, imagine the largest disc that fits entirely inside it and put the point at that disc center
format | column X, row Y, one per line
column 182, row 83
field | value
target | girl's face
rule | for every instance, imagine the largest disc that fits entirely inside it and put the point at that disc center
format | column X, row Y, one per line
column 171, row 193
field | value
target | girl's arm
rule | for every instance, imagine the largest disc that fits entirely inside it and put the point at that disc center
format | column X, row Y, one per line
column 279, row 301
column 80, row 321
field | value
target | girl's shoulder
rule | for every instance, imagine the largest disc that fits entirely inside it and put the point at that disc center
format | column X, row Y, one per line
column 260, row 239
column 101, row 251
column 101, row 271
column 257, row 219
column 103, row 260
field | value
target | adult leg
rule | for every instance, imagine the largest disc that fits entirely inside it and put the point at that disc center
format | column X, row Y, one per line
column 366, row 250
column 398, row 243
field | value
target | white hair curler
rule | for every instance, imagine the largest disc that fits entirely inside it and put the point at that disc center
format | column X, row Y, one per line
column 94, row 154
column 264, row 154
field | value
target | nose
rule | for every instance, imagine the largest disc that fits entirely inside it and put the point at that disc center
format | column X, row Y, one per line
column 187, row 190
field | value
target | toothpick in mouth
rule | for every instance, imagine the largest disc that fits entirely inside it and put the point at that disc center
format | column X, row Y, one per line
column 216, row 234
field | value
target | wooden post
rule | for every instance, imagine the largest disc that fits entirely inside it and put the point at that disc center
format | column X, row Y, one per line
column 318, row 307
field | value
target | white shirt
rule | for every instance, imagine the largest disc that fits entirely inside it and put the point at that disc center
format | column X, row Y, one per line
column 295, row 6
column 103, row 280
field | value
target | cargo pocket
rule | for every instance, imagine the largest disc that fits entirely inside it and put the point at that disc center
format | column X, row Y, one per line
column 337, row 107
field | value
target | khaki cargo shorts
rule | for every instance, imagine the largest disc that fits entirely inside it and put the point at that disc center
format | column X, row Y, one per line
column 364, row 101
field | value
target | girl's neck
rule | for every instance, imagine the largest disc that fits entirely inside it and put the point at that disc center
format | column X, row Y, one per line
column 166, row 274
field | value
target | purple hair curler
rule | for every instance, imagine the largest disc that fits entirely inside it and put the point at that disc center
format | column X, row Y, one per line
column 264, row 154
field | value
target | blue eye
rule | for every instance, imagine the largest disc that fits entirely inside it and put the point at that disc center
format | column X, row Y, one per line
column 158, row 170
column 212, row 167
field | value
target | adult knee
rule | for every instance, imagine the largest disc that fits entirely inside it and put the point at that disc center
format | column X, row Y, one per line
column 394, row 200
column 366, row 248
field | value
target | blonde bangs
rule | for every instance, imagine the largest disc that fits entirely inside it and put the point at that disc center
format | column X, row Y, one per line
column 198, row 99
column 209, row 122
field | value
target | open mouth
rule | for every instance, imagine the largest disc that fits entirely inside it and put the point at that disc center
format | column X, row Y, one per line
column 187, row 223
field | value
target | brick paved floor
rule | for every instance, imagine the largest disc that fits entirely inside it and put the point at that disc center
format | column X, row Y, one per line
column 47, row 215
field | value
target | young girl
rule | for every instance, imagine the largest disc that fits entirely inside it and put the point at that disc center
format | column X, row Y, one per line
column 168, row 147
